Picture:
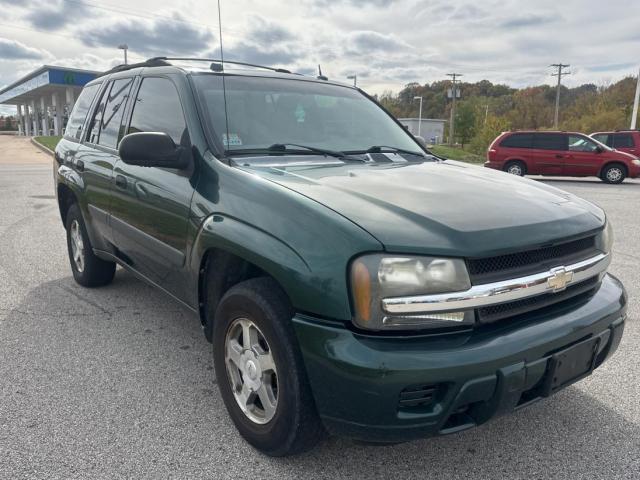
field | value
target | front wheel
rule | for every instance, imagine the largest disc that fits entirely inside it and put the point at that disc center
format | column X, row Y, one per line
column 88, row 270
column 260, row 372
column 613, row 174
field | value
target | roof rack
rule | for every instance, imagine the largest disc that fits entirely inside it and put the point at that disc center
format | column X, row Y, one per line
column 152, row 62
column 219, row 63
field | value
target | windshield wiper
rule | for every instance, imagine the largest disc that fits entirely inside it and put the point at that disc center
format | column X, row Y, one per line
column 283, row 147
column 383, row 148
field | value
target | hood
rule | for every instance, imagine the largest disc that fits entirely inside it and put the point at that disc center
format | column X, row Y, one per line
column 441, row 208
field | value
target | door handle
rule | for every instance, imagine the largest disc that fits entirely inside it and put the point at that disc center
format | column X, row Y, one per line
column 121, row 181
column 142, row 191
column 559, row 156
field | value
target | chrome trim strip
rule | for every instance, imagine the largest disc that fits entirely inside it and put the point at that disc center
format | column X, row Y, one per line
column 500, row 292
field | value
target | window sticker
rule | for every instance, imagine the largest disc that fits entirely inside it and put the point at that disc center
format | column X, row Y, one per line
column 300, row 113
column 233, row 141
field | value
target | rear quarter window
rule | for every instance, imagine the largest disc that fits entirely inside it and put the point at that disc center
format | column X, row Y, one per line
column 517, row 140
column 80, row 111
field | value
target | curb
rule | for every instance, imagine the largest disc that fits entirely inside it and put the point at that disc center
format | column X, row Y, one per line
column 42, row 147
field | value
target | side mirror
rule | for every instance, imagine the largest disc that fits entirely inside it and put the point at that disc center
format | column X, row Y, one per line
column 152, row 149
column 421, row 141
column 599, row 149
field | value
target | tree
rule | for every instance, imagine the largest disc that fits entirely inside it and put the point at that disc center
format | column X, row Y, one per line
column 465, row 122
column 489, row 131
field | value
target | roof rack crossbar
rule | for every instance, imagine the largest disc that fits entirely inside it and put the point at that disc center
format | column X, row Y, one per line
column 215, row 60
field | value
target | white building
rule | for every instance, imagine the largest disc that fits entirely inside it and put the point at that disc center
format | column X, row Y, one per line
column 431, row 129
column 45, row 97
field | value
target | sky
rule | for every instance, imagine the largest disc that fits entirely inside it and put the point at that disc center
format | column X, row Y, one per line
column 386, row 43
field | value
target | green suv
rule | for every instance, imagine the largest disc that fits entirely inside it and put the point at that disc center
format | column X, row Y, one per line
column 350, row 282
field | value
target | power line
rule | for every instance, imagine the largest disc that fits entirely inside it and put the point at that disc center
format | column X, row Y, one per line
column 453, row 106
column 559, row 66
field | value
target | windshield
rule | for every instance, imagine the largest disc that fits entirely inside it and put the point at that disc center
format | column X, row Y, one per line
column 263, row 112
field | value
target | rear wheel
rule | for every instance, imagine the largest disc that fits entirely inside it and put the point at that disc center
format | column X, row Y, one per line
column 88, row 270
column 516, row 167
column 260, row 371
column 614, row 173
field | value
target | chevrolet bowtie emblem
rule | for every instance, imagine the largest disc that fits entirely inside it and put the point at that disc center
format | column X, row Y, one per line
column 559, row 279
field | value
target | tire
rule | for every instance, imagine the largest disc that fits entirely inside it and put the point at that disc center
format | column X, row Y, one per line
column 516, row 167
column 291, row 425
column 613, row 173
column 88, row 270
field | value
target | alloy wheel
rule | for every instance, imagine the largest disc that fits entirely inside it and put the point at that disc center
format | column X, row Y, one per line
column 251, row 370
column 515, row 170
column 614, row 174
column 77, row 246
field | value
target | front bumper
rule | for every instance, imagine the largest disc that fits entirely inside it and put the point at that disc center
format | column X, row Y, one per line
column 357, row 379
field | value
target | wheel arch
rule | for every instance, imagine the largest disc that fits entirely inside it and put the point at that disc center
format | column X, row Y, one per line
column 613, row 162
column 228, row 251
column 66, row 198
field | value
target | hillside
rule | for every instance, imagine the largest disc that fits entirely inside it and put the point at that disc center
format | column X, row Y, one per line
column 486, row 109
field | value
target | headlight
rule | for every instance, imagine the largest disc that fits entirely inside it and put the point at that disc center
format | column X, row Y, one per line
column 636, row 162
column 374, row 277
column 605, row 238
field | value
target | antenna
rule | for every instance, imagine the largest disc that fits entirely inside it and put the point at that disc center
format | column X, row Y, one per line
column 224, row 85
column 320, row 76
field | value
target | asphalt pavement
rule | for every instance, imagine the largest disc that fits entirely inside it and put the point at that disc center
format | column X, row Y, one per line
column 118, row 382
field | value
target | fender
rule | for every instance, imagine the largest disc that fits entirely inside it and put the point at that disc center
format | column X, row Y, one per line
column 276, row 257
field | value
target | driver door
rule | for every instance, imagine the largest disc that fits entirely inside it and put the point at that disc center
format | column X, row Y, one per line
column 151, row 205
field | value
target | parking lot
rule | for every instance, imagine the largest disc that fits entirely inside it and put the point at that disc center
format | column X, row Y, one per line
column 118, row 381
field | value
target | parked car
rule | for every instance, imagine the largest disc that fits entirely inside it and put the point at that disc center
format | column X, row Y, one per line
column 350, row 282
column 559, row 153
column 627, row 141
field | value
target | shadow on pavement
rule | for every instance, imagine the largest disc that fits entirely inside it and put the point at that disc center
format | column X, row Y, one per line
column 124, row 374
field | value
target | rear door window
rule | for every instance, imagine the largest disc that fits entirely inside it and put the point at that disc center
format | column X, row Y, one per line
column 518, row 140
column 623, row 140
column 550, row 141
column 110, row 125
column 80, row 111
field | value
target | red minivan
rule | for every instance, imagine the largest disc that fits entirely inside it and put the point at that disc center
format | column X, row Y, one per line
column 627, row 141
column 560, row 153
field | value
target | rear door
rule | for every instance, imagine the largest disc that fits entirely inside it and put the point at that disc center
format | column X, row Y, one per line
column 151, row 205
column 583, row 157
column 99, row 151
column 625, row 143
column 549, row 152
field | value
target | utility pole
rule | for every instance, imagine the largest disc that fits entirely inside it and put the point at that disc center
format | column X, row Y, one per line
column 452, row 127
column 559, row 66
column 634, row 116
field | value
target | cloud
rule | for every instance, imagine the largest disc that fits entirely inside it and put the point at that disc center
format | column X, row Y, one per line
column 14, row 50
column 265, row 42
column 358, row 3
column 369, row 42
column 611, row 67
column 163, row 36
column 529, row 21
column 54, row 15
column 267, row 32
